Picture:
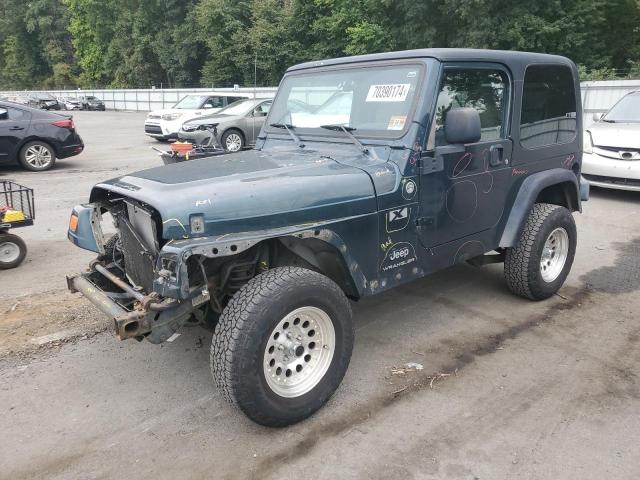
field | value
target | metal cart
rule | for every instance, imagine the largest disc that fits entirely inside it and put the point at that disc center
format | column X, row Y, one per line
column 16, row 210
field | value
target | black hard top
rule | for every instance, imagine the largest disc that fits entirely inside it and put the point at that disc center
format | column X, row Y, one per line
column 508, row 57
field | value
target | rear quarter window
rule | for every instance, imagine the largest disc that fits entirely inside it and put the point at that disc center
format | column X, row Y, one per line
column 548, row 106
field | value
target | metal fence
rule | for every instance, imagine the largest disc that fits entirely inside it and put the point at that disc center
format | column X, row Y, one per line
column 146, row 99
column 597, row 96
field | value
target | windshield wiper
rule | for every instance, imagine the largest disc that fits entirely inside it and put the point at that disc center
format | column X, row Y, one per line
column 347, row 131
column 607, row 120
column 289, row 129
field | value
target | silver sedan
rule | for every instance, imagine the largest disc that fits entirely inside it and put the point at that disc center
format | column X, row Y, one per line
column 234, row 127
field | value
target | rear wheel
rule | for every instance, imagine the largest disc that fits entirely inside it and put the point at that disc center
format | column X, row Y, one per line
column 282, row 345
column 37, row 156
column 538, row 265
column 12, row 251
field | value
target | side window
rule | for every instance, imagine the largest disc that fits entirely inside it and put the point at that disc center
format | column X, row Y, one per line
column 486, row 90
column 231, row 100
column 262, row 110
column 548, row 106
column 213, row 102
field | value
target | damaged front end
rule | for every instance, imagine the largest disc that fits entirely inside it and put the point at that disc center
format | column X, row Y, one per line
column 121, row 281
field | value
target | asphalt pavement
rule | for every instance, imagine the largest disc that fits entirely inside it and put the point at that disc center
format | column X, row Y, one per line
column 509, row 388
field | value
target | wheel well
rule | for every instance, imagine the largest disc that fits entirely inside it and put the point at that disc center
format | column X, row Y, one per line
column 563, row 194
column 317, row 255
column 234, row 129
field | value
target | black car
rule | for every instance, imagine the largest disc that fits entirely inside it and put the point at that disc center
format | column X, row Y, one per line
column 91, row 103
column 36, row 138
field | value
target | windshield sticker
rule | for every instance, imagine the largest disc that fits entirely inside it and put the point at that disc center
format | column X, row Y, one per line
column 411, row 74
column 396, row 122
column 396, row 92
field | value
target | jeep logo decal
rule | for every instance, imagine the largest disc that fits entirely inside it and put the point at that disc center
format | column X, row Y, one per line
column 399, row 255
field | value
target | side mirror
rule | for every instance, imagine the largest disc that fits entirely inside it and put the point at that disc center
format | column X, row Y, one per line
column 4, row 113
column 462, row 126
column 597, row 116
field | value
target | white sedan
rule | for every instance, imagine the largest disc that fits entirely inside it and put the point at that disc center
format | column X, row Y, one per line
column 611, row 154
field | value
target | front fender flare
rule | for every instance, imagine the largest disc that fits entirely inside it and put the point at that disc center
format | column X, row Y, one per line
column 232, row 244
column 526, row 197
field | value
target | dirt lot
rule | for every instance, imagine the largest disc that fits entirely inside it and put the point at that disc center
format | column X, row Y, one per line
column 509, row 389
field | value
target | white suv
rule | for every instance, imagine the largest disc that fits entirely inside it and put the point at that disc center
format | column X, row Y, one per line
column 165, row 124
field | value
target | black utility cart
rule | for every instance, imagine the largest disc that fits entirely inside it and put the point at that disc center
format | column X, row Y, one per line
column 16, row 210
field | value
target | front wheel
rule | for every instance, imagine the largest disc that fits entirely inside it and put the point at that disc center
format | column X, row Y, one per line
column 232, row 141
column 282, row 345
column 12, row 251
column 538, row 265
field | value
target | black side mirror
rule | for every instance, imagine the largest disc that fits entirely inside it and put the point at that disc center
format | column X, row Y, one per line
column 4, row 113
column 462, row 126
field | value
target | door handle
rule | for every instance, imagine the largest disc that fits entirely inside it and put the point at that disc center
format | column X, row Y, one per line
column 495, row 155
column 13, row 129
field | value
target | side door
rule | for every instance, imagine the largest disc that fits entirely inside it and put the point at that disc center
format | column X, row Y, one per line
column 256, row 119
column 464, row 187
column 14, row 124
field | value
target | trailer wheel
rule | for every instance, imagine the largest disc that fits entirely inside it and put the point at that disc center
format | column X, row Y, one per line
column 282, row 345
column 12, row 251
column 539, row 264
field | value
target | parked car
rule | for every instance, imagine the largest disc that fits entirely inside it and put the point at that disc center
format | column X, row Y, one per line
column 35, row 138
column 70, row 103
column 442, row 156
column 46, row 101
column 611, row 156
column 164, row 124
column 89, row 102
column 236, row 126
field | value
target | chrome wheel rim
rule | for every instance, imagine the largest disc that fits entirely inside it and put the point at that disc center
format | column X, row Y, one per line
column 9, row 252
column 233, row 142
column 38, row 156
column 554, row 254
column 299, row 352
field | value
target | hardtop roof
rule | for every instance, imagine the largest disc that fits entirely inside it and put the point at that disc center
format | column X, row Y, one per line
column 508, row 57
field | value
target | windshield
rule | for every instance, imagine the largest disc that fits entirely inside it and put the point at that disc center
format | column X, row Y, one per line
column 192, row 102
column 375, row 99
column 626, row 110
column 240, row 107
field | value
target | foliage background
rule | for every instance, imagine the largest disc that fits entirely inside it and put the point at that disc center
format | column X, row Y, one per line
column 179, row 43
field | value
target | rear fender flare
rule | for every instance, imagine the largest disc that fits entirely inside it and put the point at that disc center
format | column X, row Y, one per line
column 526, row 197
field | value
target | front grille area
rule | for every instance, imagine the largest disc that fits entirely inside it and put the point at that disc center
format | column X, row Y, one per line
column 138, row 260
column 155, row 129
column 613, row 180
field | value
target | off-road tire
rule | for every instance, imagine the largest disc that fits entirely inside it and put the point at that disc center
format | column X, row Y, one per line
column 22, row 156
column 245, row 326
column 22, row 250
column 522, row 262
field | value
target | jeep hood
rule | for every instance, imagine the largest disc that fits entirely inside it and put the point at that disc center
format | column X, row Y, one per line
column 247, row 191
column 620, row 135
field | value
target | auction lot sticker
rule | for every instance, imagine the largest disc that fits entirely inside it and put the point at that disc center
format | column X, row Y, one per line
column 396, row 92
column 396, row 122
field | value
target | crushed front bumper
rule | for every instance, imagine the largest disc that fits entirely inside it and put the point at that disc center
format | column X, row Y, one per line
column 134, row 315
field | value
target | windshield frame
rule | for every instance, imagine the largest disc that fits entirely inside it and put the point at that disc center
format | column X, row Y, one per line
column 630, row 94
column 418, row 63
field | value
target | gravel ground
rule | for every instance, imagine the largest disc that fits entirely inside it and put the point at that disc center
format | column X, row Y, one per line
column 510, row 388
